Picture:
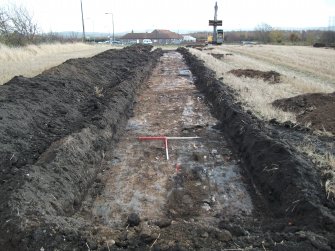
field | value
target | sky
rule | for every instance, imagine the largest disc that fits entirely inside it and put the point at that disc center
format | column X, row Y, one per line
column 175, row 15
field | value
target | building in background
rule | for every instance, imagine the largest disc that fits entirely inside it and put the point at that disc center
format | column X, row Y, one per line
column 189, row 39
column 156, row 36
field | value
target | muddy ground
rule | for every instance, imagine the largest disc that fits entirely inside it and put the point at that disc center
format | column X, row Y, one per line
column 74, row 175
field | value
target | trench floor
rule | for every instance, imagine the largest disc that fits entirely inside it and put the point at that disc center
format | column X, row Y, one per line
column 201, row 179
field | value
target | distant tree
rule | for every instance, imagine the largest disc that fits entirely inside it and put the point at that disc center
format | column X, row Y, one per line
column 328, row 37
column 4, row 20
column 294, row 37
column 263, row 32
column 311, row 37
column 17, row 26
column 276, row 36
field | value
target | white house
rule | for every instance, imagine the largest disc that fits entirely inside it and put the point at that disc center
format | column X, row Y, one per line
column 188, row 38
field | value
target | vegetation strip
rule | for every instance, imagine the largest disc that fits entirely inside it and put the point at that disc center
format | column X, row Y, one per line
column 290, row 185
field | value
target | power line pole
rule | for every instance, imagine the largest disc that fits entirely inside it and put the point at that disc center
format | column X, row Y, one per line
column 82, row 21
column 112, row 24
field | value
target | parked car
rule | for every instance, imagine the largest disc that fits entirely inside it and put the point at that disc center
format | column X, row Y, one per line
column 147, row 41
column 116, row 42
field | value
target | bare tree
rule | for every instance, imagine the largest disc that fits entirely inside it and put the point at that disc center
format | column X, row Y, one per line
column 263, row 32
column 328, row 37
column 294, row 37
column 17, row 26
column 22, row 23
column 277, row 36
column 3, row 22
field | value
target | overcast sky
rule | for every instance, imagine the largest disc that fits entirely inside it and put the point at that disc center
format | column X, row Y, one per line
column 176, row 15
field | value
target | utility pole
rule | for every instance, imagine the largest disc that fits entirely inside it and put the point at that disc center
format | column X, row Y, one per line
column 82, row 21
column 107, row 13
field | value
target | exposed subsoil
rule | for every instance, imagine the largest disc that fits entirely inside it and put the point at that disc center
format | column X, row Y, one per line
column 269, row 76
column 180, row 202
column 316, row 109
column 74, row 175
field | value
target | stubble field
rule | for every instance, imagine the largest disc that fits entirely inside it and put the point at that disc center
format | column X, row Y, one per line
column 32, row 60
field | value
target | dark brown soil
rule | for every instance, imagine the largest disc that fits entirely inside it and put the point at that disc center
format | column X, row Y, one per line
column 55, row 135
column 54, row 131
column 317, row 109
column 269, row 76
column 199, row 47
column 217, row 55
column 288, row 181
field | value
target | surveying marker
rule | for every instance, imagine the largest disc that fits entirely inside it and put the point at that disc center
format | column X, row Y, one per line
column 165, row 139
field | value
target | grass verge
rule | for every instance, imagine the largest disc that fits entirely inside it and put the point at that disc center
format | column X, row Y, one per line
column 32, row 60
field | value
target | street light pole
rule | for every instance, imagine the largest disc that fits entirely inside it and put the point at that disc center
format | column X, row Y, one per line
column 107, row 13
column 82, row 20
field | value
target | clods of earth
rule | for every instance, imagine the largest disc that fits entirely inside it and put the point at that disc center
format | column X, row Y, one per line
column 316, row 110
column 268, row 76
column 75, row 176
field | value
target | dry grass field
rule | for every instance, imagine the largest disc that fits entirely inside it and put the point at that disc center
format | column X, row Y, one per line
column 303, row 70
column 31, row 60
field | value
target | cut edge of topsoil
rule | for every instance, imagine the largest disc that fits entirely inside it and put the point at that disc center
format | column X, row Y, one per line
column 28, row 221
column 289, row 183
column 316, row 111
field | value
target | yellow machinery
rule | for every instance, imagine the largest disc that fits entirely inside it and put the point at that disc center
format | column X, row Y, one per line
column 219, row 38
column 210, row 39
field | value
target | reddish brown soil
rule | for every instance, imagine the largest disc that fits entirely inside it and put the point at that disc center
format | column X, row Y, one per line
column 316, row 109
column 269, row 76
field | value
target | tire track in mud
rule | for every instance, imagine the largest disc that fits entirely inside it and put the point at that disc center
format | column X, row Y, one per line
column 200, row 182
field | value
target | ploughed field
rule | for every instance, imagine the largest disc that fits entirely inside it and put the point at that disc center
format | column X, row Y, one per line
column 75, row 176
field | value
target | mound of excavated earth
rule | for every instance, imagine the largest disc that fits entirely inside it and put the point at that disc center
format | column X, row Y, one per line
column 289, row 184
column 75, row 176
column 54, row 130
column 270, row 76
column 316, row 109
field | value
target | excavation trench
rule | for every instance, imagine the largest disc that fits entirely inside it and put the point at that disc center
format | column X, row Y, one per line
column 202, row 178
column 75, row 176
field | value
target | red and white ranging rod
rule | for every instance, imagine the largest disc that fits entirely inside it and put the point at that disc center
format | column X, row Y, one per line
column 165, row 139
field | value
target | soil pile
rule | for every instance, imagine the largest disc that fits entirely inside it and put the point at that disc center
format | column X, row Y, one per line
column 269, row 76
column 54, row 131
column 316, row 109
column 289, row 183
column 217, row 55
